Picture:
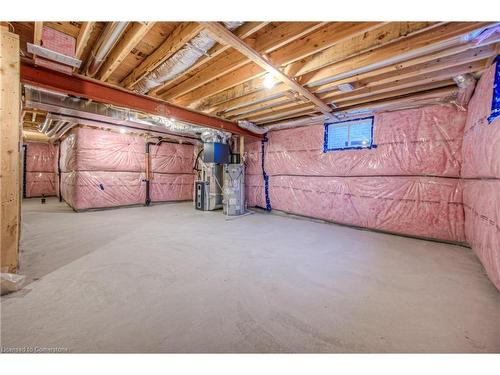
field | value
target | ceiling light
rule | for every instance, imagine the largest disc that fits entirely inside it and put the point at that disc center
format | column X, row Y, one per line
column 344, row 87
column 269, row 81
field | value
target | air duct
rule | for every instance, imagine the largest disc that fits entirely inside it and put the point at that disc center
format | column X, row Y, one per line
column 57, row 104
column 181, row 60
column 106, row 42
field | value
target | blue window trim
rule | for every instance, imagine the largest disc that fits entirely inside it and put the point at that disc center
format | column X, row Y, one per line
column 495, row 101
column 325, row 138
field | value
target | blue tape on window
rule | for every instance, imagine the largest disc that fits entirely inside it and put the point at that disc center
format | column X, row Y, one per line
column 495, row 102
column 266, row 177
column 354, row 134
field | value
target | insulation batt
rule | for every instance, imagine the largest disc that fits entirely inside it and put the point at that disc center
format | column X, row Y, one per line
column 40, row 157
column 423, row 141
column 482, row 218
column 172, row 158
column 387, row 188
column 171, row 187
column 40, row 183
column 419, row 206
column 481, row 154
column 40, row 173
column 88, row 149
column 254, row 182
column 106, row 169
column 97, row 189
column 481, row 145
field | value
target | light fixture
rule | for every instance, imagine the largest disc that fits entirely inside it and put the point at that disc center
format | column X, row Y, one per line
column 269, row 81
column 345, row 87
column 122, row 130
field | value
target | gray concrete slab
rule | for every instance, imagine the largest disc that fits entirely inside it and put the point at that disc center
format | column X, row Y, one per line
column 169, row 278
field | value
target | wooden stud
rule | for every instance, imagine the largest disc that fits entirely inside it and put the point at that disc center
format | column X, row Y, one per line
column 10, row 150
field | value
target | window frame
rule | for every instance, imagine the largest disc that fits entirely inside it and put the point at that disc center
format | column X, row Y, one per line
column 338, row 124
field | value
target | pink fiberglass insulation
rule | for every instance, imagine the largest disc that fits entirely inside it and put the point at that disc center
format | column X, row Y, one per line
column 254, row 190
column 88, row 149
column 254, row 181
column 40, row 157
column 482, row 223
column 428, row 207
column 40, row 172
column 253, row 157
column 171, row 187
column 481, row 145
column 94, row 189
column 60, row 42
column 481, row 168
column 172, row 158
column 40, row 183
column 422, row 141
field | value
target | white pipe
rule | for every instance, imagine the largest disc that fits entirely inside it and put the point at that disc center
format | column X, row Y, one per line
column 109, row 37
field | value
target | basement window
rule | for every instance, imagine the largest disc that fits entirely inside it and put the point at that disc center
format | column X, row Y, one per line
column 348, row 135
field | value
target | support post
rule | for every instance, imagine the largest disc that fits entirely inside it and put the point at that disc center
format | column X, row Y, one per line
column 10, row 149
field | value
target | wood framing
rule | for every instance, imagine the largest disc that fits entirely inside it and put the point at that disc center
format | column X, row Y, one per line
column 226, row 36
column 132, row 36
column 179, row 37
column 10, row 150
column 310, row 62
column 83, row 38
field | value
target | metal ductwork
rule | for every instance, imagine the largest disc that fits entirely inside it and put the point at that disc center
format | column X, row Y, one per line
column 181, row 60
column 80, row 110
column 106, row 42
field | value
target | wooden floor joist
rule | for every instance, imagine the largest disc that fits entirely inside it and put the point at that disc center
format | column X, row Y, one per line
column 309, row 61
column 225, row 36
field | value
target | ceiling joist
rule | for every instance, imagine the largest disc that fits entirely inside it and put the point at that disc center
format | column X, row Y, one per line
column 225, row 36
column 131, row 38
column 178, row 38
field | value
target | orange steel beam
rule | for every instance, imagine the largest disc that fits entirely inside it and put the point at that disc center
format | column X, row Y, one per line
column 105, row 93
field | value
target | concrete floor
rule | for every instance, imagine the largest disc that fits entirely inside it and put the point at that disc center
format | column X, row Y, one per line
column 169, row 278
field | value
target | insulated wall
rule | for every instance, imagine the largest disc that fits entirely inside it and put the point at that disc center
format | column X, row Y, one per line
column 408, row 184
column 481, row 173
column 39, row 172
column 173, row 177
column 102, row 168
